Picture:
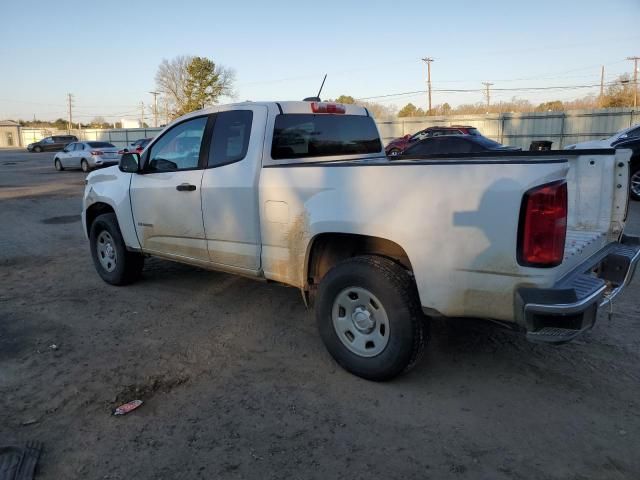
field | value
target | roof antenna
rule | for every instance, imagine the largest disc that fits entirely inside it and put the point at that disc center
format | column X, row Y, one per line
column 317, row 97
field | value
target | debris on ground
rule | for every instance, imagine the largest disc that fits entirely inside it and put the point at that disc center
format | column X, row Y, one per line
column 19, row 463
column 127, row 407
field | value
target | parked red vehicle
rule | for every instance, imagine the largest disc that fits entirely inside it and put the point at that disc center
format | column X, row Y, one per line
column 397, row 146
column 137, row 146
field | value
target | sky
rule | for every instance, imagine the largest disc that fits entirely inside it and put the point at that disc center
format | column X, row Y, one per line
column 107, row 53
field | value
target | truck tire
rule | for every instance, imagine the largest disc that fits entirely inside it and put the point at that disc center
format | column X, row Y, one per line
column 634, row 184
column 114, row 263
column 369, row 317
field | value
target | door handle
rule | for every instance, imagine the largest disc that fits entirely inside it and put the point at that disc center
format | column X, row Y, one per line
column 185, row 187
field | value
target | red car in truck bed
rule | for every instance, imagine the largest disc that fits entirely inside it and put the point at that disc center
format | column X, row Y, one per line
column 397, row 146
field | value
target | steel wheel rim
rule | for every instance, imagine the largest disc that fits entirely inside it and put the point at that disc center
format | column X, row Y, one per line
column 57, row 162
column 85, row 166
column 635, row 183
column 360, row 322
column 106, row 251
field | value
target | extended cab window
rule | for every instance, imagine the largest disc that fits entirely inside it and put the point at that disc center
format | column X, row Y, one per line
column 179, row 148
column 230, row 137
column 318, row 135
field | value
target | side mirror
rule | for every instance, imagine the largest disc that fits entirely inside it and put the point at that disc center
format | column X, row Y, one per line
column 129, row 163
column 65, row 150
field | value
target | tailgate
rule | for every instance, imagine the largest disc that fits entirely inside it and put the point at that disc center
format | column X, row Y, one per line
column 597, row 184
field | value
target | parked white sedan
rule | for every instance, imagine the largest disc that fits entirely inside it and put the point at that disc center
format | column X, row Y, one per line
column 87, row 156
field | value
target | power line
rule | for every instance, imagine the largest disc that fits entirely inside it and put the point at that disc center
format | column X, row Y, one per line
column 468, row 90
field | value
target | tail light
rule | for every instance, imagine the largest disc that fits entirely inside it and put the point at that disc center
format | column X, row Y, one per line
column 324, row 107
column 97, row 153
column 543, row 226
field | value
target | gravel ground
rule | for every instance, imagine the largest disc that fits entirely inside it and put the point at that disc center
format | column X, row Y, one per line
column 237, row 384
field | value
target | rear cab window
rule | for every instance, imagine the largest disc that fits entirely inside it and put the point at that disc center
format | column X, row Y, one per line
column 301, row 135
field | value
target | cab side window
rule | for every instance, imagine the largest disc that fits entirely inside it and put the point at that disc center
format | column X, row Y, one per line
column 179, row 148
column 231, row 134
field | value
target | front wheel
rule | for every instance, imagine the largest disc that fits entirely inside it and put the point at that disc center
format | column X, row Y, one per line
column 634, row 185
column 37, row 149
column 84, row 165
column 114, row 263
column 369, row 317
column 58, row 165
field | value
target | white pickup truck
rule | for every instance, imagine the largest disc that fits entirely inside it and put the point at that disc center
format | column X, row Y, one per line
column 302, row 193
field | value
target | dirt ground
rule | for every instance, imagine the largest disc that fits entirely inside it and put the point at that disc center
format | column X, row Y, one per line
column 237, row 384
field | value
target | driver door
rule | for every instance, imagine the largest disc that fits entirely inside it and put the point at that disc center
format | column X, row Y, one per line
column 165, row 196
column 65, row 154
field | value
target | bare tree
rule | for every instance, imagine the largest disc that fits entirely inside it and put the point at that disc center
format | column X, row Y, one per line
column 174, row 81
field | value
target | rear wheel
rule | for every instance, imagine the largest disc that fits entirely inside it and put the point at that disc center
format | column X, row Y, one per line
column 114, row 263
column 634, row 185
column 369, row 317
column 84, row 165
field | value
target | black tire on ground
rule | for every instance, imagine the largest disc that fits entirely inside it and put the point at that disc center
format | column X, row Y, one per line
column 634, row 184
column 128, row 265
column 58, row 165
column 396, row 291
column 393, row 152
column 84, row 165
column 37, row 149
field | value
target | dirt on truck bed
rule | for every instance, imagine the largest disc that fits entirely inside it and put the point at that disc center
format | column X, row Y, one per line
column 236, row 383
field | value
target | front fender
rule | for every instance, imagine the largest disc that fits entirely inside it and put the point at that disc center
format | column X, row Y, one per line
column 110, row 186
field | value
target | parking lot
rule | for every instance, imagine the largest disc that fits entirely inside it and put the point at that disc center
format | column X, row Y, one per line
column 237, row 383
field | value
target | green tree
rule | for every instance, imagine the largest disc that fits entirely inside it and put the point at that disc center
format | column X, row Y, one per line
column 410, row 110
column 60, row 124
column 347, row 99
column 554, row 106
column 190, row 83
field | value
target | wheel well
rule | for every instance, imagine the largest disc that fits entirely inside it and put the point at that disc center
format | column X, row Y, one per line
column 94, row 211
column 330, row 248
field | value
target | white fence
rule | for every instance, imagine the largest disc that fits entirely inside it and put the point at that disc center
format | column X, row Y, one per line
column 518, row 129
column 120, row 137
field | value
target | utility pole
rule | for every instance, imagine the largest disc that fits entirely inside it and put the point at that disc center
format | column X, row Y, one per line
column 635, row 79
column 70, row 104
column 601, row 101
column 428, row 61
column 155, row 108
column 141, row 114
column 488, row 94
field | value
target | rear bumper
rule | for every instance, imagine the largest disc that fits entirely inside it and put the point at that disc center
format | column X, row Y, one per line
column 569, row 308
column 99, row 162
